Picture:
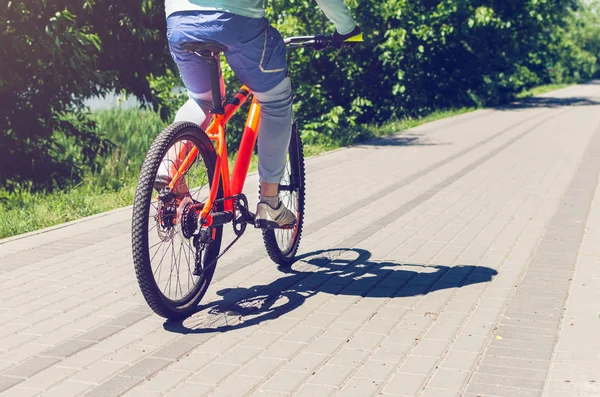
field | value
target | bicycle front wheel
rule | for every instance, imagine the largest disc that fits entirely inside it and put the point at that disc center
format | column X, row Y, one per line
column 168, row 262
column 282, row 244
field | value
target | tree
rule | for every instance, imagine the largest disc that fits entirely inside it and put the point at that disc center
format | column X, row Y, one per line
column 420, row 56
column 425, row 55
column 55, row 54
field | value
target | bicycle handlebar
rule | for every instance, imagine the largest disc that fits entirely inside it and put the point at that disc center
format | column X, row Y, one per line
column 318, row 42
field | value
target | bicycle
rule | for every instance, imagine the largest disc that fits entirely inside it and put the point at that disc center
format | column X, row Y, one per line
column 191, row 208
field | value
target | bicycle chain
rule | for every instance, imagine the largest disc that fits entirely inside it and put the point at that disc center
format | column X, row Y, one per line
column 236, row 232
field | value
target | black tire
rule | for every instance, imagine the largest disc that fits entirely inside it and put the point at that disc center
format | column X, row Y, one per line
column 282, row 244
column 143, row 234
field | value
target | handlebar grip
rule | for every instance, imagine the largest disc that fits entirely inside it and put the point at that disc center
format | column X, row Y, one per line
column 355, row 39
column 322, row 41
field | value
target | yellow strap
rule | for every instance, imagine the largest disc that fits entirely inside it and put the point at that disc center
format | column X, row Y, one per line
column 355, row 39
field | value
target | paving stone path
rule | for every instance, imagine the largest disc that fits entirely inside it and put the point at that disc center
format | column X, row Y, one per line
column 459, row 258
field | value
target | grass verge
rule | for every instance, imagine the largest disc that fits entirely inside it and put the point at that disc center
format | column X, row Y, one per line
column 132, row 131
column 29, row 211
column 542, row 89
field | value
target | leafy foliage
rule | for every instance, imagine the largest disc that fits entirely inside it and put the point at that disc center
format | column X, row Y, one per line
column 424, row 55
column 55, row 54
column 420, row 56
column 113, row 185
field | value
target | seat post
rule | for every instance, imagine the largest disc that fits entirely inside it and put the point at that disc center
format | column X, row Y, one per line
column 215, row 83
column 210, row 52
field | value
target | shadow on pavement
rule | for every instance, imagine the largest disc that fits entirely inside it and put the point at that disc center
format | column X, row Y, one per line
column 398, row 140
column 405, row 138
column 338, row 272
column 549, row 102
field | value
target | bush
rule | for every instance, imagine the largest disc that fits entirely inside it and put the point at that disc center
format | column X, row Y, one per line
column 419, row 57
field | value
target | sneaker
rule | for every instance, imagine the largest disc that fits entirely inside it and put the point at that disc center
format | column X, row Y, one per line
column 162, row 181
column 268, row 217
column 170, row 165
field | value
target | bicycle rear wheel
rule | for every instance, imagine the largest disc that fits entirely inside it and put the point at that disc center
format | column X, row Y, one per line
column 168, row 264
column 282, row 244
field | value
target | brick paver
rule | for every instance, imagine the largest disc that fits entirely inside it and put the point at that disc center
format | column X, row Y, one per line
column 462, row 263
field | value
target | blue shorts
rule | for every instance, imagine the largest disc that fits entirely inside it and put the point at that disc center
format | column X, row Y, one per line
column 255, row 50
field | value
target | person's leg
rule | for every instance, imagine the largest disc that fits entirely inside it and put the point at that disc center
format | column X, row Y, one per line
column 261, row 64
column 193, row 70
column 196, row 109
column 194, row 73
column 273, row 141
column 274, row 136
column 194, row 26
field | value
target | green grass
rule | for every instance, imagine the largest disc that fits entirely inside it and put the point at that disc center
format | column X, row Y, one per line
column 539, row 90
column 371, row 131
column 113, row 185
column 25, row 211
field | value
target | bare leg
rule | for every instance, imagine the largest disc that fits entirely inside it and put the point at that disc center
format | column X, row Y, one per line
column 269, row 189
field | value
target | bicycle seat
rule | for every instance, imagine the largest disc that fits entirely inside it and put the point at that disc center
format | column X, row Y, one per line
column 207, row 48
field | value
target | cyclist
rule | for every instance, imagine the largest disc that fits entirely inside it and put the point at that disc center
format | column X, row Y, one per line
column 256, row 53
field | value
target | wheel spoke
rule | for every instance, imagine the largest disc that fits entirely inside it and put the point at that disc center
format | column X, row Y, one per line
column 159, row 268
column 171, row 272
column 179, row 280
column 160, row 243
column 179, row 271
column 190, row 276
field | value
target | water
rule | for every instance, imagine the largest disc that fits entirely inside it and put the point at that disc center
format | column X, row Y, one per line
column 112, row 100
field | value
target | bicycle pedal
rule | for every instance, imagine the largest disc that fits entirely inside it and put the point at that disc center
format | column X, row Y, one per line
column 288, row 227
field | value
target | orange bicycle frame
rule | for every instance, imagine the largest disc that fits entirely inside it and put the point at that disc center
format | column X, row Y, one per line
column 232, row 185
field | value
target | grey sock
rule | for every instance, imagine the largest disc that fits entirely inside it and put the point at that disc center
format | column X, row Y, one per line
column 273, row 201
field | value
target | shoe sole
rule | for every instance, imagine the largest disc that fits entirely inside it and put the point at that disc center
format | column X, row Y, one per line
column 160, row 185
column 265, row 224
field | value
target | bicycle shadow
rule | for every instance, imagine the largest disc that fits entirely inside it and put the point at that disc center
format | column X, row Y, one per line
column 335, row 271
column 549, row 102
